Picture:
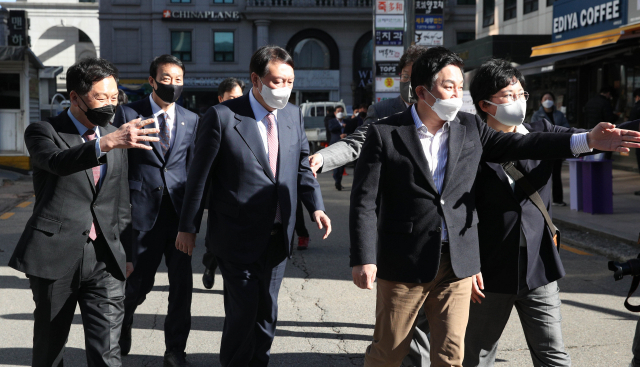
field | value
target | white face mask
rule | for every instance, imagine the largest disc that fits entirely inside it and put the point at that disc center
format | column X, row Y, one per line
column 548, row 103
column 510, row 114
column 275, row 98
column 446, row 109
column 339, row 115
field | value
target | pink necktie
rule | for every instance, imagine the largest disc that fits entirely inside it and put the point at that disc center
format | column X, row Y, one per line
column 272, row 142
column 91, row 135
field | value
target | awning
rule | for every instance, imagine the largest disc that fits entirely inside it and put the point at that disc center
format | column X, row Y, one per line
column 549, row 64
column 587, row 42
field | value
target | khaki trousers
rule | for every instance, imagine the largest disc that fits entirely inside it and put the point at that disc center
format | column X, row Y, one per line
column 446, row 302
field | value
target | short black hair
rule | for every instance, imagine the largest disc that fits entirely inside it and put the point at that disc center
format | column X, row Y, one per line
column 122, row 97
column 490, row 78
column 426, row 68
column 229, row 84
column 636, row 92
column 82, row 74
column 162, row 60
column 411, row 55
column 336, row 108
column 553, row 96
column 260, row 60
column 606, row 89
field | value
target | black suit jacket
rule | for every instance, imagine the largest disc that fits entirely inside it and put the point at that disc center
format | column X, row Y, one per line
column 404, row 239
column 150, row 172
column 230, row 154
column 67, row 201
column 502, row 212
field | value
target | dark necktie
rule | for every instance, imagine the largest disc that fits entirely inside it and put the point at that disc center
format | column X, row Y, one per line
column 91, row 135
column 165, row 137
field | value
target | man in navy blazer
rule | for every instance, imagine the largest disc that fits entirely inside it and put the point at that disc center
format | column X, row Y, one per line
column 157, row 180
column 254, row 152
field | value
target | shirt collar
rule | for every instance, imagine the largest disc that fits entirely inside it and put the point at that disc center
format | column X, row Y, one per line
column 259, row 112
column 419, row 123
column 81, row 128
column 520, row 129
column 157, row 110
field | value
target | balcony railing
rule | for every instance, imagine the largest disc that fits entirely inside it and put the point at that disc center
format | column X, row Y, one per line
column 312, row 3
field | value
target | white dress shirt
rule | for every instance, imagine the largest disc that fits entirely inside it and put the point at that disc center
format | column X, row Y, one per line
column 170, row 117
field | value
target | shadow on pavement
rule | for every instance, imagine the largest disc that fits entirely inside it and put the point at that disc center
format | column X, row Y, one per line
column 13, row 282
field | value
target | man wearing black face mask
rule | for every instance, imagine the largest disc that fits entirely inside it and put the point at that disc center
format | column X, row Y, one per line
column 70, row 248
column 156, row 182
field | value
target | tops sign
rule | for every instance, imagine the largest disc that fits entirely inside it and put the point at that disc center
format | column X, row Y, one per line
column 575, row 18
column 201, row 16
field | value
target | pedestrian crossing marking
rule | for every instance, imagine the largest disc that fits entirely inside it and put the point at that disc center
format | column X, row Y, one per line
column 6, row 215
column 23, row 205
column 574, row 250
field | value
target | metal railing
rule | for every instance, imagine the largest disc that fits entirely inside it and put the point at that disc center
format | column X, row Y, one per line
column 311, row 3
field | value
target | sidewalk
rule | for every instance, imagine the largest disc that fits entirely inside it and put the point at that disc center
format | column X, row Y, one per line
column 14, row 188
column 613, row 235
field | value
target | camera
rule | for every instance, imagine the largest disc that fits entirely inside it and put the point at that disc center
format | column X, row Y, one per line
column 620, row 269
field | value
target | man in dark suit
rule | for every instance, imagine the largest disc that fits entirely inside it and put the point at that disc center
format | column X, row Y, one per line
column 70, row 248
column 425, row 202
column 254, row 152
column 337, row 127
column 347, row 149
column 157, row 180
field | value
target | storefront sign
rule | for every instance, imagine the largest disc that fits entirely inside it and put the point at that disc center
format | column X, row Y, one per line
column 389, row 53
column 18, row 28
column 429, row 6
column 467, row 103
column 387, row 69
column 389, row 38
column 575, row 18
column 389, row 6
column 429, row 38
column 201, row 16
column 384, row 96
column 365, row 77
column 388, row 84
column 203, row 82
column 429, row 22
column 389, row 22
column 634, row 12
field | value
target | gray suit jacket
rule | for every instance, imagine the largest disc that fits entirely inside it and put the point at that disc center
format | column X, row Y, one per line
column 347, row 150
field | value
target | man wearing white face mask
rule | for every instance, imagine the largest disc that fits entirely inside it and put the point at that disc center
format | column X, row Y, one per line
column 337, row 126
column 413, row 222
column 254, row 152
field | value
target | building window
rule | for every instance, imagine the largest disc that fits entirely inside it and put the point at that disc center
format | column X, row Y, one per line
column 550, row 2
column 311, row 53
column 366, row 58
column 462, row 37
column 223, row 47
column 223, row 1
column 510, row 9
column 530, row 6
column 181, row 45
column 180, row 1
column 466, row 2
column 487, row 12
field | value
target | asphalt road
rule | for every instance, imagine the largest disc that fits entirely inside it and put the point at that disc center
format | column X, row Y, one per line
column 324, row 320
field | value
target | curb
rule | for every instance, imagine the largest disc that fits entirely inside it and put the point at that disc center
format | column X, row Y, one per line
column 610, row 236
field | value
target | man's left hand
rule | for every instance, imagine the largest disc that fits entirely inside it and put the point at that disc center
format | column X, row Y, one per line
column 607, row 137
column 476, row 288
column 323, row 220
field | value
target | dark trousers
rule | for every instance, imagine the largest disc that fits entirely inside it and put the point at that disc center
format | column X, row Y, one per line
column 100, row 296
column 556, row 181
column 337, row 174
column 251, row 306
column 301, row 229
column 147, row 251
column 209, row 259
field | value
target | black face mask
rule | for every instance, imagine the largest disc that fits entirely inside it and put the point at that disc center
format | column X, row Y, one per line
column 168, row 92
column 406, row 93
column 99, row 116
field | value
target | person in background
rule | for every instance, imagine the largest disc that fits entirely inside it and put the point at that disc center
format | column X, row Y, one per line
column 156, row 182
column 122, row 97
column 337, row 127
column 330, row 116
column 548, row 111
column 599, row 109
column 230, row 88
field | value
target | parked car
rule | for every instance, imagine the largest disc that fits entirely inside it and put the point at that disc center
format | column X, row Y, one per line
column 313, row 114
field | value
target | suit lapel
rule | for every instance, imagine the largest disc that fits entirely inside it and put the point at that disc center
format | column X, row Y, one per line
column 179, row 128
column 247, row 127
column 457, row 133
column 110, row 163
column 147, row 113
column 70, row 135
column 497, row 167
column 400, row 106
column 409, row 137
column 284, row 136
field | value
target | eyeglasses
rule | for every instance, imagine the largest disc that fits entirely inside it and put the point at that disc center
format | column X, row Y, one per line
column 513, row 97
column 405, row 77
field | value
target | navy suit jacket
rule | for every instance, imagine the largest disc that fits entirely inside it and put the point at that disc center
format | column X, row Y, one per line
column 230, row 154
column 502, row 212
column 336, row 129
column 150, row 172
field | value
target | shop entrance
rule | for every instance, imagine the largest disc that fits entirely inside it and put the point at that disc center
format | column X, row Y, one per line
column 10, row 113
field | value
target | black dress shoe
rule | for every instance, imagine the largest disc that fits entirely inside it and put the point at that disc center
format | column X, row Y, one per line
column 338, row 187
column 125, row 340
column 209, row 278
column 175, row 359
